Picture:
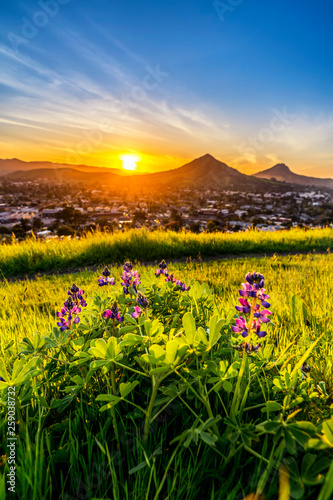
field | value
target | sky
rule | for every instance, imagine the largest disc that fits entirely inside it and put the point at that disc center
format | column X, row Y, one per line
column 248, row 81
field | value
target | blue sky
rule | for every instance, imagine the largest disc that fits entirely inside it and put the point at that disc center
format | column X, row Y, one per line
column 247, row 81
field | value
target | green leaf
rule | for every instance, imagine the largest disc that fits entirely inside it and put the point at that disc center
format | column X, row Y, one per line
column 189, row 327
column 171, row 351
column 215, row 326
column 272, row 406
column 328, row 431
column 126, row 388
column 227, row 386
column 208, row 438
column 326, row 493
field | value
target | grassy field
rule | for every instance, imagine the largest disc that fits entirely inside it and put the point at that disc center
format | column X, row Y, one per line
column 301, row 302
column 33, row 256
column 29, row 306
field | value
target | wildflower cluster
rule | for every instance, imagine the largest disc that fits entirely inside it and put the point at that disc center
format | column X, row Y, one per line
column 163, row 269
column 142, row 300
column 71, row 309
column 252, row 298
column 113, row 313
column 105, row 278
column 130, row 278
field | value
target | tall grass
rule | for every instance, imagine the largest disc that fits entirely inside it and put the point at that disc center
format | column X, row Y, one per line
column 71, row 452
column 34, row 256
column 30, row 306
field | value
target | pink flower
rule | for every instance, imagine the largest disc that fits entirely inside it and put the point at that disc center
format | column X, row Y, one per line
column 137, row 312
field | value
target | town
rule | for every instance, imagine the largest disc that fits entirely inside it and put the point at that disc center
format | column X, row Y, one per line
column 55, row 210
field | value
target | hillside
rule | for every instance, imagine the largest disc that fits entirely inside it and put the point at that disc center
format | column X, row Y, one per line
column 9, row 166
column 60, row 175
column 203, row 173
column 282, row 173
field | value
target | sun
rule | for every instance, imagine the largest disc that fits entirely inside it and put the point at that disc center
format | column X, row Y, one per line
column 129, row 161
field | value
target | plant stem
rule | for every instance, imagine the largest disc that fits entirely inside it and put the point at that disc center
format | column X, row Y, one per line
column 237, row 396
column 156, row 383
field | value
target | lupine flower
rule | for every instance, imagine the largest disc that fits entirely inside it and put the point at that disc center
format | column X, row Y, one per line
column 305, row 368
column 255, row 278
column 252, row 298
column 77, row 295
column 113, row 313
column 182, row 286
column 245, row 307
column 105, row 279
column 170, row 277
column 128, row 266
column 137, row 312
column 262, row 315
column 69, row 312
column 130, row 278
column 247, row 347
column 240, row 327
column 162, row 269
column 142, row 300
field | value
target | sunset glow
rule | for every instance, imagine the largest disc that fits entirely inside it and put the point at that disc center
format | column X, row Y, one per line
column 129, row 161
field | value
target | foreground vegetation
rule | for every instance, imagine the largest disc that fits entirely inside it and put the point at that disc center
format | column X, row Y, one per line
column 162, row 406
column 35, row 256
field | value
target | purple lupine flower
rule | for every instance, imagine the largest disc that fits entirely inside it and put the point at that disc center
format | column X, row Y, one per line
column 127, row 267
column 240, row 327
column 305, row 368
column 247, row 347
column 142, row 300
column 137, row 312
column 130, row 278
column 262, row 315
column 71, row 309
column 245, row 307
column 182, row 285
column 170, row 277
column 255, row 278
column 77, row 295
column 257, row 331
column 105, row 278
column 113, row 313
column 162, row 269
column 252, row 299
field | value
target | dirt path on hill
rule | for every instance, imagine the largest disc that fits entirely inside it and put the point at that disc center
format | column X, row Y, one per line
column 182, row 260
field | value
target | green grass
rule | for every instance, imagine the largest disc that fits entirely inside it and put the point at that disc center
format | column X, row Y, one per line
column 33, row 256
column 82, row 438
column 29, row 306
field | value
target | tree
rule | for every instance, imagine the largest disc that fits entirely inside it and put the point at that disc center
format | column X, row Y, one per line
column 195, row 227
column 211, row 226
column 65, row 231
column 37, row 223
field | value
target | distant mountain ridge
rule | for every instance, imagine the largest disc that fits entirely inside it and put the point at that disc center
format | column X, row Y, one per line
column 205, row 173
column 8, row 166
column 282, row 173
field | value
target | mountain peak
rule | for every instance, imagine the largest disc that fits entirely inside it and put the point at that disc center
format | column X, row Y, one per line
column 207, row 156
column 282, row 167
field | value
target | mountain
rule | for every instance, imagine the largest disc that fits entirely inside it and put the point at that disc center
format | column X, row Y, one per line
column 203, row 173
column 282, row 173
column 61, row 175
column 9, row 166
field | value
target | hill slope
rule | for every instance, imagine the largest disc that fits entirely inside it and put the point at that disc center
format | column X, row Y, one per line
column 282, row 173
column 202, row 173
column 12, row 165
